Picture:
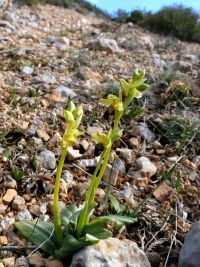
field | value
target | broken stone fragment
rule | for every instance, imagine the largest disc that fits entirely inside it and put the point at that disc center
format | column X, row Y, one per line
column 134, row 142
column 31, row 130
column 126, row 154
column 183, row 66
column 9, row 196
column 24, row 215
column 48, row 79
column 89, row 162
column 21, row 262
column 120, row 166
column 197, row 161
column 7, row 222
column 43, row 135
column 47, row 159
column 2, row 208
column 55, row 140
column 164, row 192
column 86, row 73
column 3, row 240
column 18, row 203
column 145, row 132
column 36, row 260
column 73, row 154
column 62, row 93
column 67, row 177
column 144, row 164
column 94, row 130
column 127, row 194
column 9, row 262
column 26, row 70
column 85, row 145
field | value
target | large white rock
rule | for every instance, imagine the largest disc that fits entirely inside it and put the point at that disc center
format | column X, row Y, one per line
column 111, row 253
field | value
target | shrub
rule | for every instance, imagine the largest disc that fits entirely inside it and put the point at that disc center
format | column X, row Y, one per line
column 136, row 16
column 179, row 132
column 121, row 16
column 179, row 21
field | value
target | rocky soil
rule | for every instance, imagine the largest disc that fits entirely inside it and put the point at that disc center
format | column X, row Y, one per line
column 50, row 54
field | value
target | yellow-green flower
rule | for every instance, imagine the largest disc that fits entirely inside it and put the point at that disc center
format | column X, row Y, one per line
column 73, row 116
column 73, row 113
column 70, row 136
column 113, row 102
column 101, row 138
column 135, row 86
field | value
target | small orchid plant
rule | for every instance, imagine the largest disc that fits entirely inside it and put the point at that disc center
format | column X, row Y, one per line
column 73, row 229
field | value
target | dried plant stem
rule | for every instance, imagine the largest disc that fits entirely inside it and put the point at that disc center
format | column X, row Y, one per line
column 173, row 238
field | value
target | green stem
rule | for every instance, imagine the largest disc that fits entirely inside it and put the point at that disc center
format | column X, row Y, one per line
column 108, row 189
column 56, row 209
column 83, row 214
column 97, row 182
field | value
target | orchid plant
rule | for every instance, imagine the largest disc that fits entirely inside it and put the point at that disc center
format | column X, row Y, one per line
column 73, row 228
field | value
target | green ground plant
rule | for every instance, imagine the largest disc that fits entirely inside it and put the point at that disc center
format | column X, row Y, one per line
column 180, row 132
column 74, row 228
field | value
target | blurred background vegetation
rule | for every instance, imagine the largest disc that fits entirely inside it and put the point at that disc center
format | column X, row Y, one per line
column 179, row 21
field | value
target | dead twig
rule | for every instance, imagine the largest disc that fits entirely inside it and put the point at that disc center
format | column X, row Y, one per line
column 17, row 248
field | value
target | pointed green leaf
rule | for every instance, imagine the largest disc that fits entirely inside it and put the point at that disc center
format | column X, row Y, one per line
column 98, row 227
column 115, row 203
column 100, row 233
column 135, row 111
column 121, row 220
column 91, row 239
column 67, row 214
column 37, row 233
